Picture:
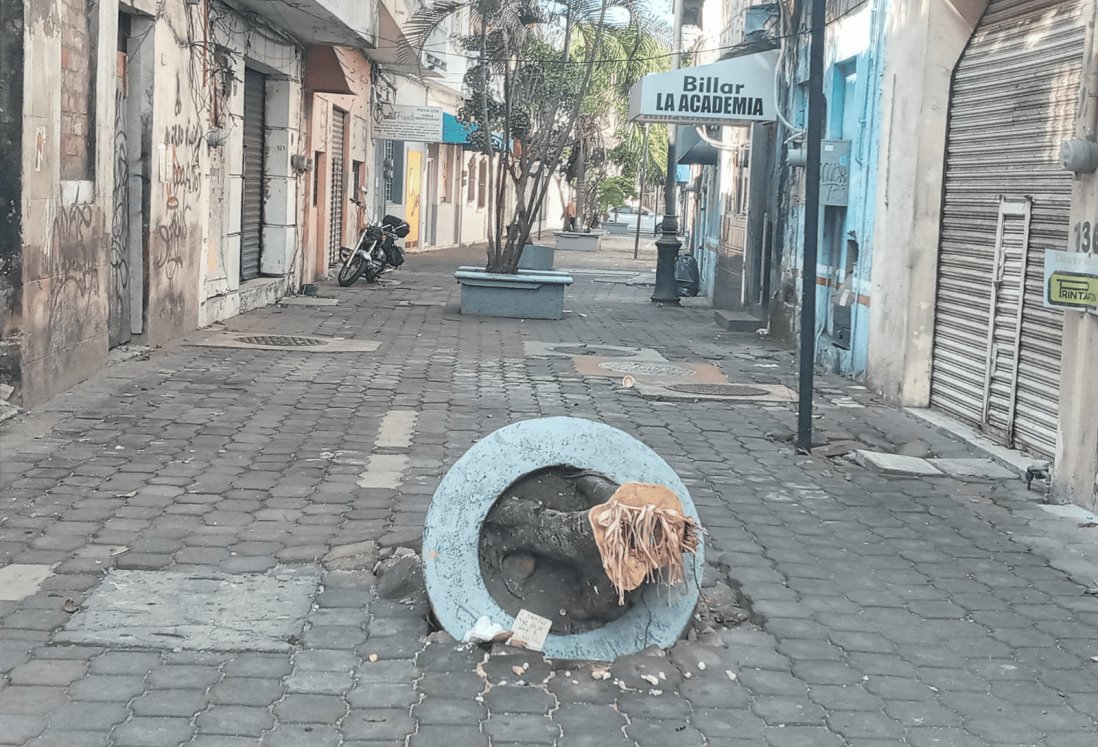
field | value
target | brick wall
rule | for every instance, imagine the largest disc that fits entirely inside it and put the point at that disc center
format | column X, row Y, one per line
column 77, row 82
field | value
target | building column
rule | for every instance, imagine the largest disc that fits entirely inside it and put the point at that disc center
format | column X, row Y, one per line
column 1075, row 473
column 925, row 39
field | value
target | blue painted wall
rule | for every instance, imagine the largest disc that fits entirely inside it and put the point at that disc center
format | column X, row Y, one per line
column 706, row 233
column 852, row 85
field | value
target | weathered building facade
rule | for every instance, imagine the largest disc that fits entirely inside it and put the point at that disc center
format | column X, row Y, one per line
column 980, row 95
column 155, row 170
column 943, row 189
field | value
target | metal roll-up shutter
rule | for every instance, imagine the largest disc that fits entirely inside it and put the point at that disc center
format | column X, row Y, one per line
column 251, row 217
column 335, row 233
column 996, row 355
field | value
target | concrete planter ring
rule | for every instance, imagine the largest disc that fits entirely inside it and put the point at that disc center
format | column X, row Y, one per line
column 470, row 489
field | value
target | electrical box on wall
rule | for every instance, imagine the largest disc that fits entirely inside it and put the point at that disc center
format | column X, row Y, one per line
column 835, row 172
column 841, row 317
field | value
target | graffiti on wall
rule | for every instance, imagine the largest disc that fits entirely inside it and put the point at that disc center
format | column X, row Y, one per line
column 74, row 288
column 119, row 318
column 181, row 176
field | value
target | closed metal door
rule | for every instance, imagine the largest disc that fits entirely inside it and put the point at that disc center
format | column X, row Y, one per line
column 251, row 216
column 335, row 228
column 996, row 352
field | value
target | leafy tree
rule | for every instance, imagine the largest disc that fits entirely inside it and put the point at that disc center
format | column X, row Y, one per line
column 613, row 191
column 535, row 62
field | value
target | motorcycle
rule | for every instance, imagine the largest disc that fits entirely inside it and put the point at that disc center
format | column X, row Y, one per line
column 375, row 252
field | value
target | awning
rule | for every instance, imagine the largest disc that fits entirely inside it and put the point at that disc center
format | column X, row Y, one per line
column 458, row 132
column 455, row 131
column 324, row 71
column 693, row 150
column 734, row 90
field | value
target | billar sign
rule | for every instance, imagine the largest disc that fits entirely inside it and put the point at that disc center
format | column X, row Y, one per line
column 736, row 90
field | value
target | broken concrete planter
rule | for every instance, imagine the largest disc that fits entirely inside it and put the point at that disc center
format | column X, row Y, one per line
column 579, row 242
column 536, row 257
column 528, row 294
column 469, row 490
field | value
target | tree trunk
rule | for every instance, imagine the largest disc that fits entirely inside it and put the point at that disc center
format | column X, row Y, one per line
column 581, row 182
column 564, row 536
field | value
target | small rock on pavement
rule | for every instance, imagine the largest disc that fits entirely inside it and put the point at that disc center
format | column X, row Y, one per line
column 782, row 434
column 839, row 448
column 400, row 576
column 353, row 557
column 720, row 605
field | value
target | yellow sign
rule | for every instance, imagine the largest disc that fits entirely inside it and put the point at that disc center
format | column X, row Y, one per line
column 1071, row 280
column 1078, row 291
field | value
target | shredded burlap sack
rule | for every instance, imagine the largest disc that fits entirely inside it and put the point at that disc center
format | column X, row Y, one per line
column 642, row 533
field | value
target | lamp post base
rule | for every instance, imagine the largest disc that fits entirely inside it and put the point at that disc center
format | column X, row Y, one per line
column 667, row 291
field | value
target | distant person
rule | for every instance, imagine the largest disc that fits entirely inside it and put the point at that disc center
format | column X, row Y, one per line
column 570, row 216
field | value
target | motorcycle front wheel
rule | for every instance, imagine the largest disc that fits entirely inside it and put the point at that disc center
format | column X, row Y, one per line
column 351, row 270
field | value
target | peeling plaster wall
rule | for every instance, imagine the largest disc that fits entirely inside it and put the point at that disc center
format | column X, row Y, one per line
column 177, row 189
column 243, row 42
column 66, row 232
column 855, row 48
column 11, row 188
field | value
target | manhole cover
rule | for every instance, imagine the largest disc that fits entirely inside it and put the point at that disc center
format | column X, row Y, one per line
column 281, row 341
column 602, row 352
column 720, row 390
column 646, row 369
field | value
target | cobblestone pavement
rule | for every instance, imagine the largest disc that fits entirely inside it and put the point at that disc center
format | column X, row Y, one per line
column 885, row 610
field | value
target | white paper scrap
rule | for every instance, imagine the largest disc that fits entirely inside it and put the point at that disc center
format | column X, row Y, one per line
column 530, row 631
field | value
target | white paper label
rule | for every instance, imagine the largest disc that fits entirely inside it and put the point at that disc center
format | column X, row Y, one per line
column 530, row 631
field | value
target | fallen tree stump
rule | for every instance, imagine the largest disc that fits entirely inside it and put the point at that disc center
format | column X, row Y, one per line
column 494, row 545
column 538, row 550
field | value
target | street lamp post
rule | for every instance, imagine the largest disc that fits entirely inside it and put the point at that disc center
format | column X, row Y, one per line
column 668, row 245
column 814, row 136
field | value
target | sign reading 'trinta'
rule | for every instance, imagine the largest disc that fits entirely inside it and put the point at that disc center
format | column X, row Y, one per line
column 739, row 89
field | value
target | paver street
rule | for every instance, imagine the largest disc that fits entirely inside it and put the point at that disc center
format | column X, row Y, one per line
column 882, row 609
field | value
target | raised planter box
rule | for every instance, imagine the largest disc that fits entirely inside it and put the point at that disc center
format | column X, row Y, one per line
column 536, row 257
column 616, row 228
column 530, row 294
column 579, row 242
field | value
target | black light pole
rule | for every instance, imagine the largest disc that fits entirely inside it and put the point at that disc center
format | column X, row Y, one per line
column 668, row 244
column 816, row 104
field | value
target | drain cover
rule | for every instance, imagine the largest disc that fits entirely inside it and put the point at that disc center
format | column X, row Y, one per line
column 601, row 352
column 720, row 390
column 645, row 368
column 281, row 341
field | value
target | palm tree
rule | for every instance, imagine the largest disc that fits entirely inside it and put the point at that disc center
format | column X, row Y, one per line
column 627, row 55
column 534, row 62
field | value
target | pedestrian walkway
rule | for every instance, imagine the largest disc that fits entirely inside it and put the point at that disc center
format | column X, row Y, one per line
column 882, row 609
